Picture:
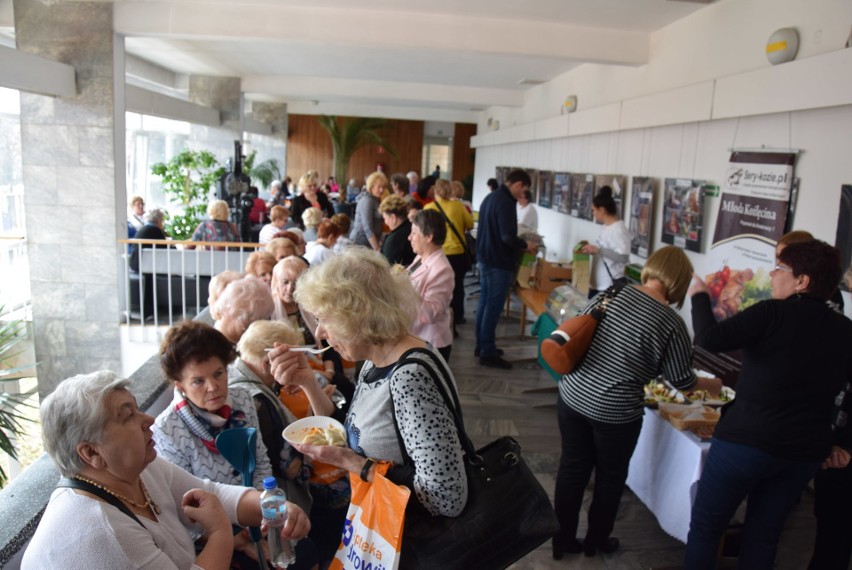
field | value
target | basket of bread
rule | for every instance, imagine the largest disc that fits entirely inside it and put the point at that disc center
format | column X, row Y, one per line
column 693, row 416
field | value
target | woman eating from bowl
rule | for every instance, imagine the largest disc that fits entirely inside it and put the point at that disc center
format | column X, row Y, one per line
column 365, row 311
column 432, row 277
column 601, row 401
column 136, row 510
column 774, row 436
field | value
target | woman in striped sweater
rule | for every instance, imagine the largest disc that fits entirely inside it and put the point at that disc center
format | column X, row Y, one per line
column 600, row 406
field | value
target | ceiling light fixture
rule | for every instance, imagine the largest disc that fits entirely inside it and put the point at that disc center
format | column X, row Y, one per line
column 531, row 81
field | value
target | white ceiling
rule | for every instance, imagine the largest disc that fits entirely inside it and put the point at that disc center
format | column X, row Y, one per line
column 440, row 55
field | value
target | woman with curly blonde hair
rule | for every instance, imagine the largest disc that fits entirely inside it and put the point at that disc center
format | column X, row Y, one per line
column 365, row 311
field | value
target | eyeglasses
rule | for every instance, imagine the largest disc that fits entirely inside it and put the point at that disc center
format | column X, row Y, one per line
column 783, row 268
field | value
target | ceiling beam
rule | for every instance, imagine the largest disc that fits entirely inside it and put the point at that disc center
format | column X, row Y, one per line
column 381, row 29
column 390, row 92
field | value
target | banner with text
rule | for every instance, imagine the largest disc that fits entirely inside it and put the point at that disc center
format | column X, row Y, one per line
column 752, row 217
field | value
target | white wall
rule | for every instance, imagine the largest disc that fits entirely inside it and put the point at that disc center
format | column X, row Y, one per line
column 726, row 39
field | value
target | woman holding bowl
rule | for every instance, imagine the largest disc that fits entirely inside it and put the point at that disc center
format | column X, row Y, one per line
column 97, row 436
column 365, row 312
column 772, row 439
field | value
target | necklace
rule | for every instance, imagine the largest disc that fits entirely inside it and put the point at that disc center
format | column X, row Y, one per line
column 389, row 351
column 149, row 502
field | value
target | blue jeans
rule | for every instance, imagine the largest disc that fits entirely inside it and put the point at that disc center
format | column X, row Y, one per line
column 733, row 472
column 494, row 285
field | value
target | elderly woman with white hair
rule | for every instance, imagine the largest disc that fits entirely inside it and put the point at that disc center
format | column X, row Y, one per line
column 365, row 312
column 119, row 505
column 311, row 219
column 217, row 228
column 243, row 302
column 153, row 229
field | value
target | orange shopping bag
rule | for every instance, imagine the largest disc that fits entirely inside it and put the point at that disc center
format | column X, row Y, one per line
column 372, row 533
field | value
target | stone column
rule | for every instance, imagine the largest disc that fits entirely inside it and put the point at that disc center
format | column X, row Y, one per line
column 275, row 115
column 223, row 93
column 72, row 214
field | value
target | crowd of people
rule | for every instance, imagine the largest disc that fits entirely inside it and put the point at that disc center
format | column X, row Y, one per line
column 380, row 301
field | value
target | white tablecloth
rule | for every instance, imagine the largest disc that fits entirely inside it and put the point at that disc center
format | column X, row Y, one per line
column 664, row 472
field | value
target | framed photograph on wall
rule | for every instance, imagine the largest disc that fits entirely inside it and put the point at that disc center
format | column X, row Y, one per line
column 545, row 188
column 843, row 236
column 642, row 215
column 533, row 184
column 582, row 192
column 562, row 192
column 683, row 213
column 501, row 174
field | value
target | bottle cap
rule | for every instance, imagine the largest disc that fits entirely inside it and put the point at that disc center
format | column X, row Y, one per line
column 270, row 483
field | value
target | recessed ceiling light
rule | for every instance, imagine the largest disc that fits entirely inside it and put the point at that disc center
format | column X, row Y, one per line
column 531, row 81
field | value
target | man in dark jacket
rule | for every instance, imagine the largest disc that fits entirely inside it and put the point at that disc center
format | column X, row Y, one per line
column 498, row 249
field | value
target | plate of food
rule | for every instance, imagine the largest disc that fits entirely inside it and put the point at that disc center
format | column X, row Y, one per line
column 702, row 396
column 316, row 430
column 657, row 392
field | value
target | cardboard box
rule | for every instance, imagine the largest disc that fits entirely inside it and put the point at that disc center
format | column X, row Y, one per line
column 525, row 271
column 549, row 276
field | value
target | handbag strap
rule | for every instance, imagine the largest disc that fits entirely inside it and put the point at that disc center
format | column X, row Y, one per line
column 89, row 488
column 600, row 310
column 450, row 400
column 452, row 226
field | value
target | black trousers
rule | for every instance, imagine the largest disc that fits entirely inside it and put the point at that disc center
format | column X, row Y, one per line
column 457, row 302
column 591, row 445
column 833, row 510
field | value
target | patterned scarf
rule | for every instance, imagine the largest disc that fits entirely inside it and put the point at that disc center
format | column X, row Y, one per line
column 207, row 425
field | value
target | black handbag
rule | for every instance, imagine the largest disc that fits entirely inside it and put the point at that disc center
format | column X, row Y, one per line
column 507, row 515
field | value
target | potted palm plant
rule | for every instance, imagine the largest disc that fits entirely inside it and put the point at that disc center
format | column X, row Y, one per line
column 349, row 134
column 12, row 349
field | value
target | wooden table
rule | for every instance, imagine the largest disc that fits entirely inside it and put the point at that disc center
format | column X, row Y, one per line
column 530, row 299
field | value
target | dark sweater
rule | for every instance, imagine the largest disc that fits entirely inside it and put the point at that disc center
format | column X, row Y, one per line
column 796, row 358
column 497, row 241
column 396, row 247
column 300, row 204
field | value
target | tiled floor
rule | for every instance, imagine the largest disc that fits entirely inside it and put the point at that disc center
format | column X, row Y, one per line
column 519, row 403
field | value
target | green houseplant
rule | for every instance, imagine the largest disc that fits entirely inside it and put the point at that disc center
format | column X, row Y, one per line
column 12, row 334
column 187, row 180
column 349, row 134
column 264, row 172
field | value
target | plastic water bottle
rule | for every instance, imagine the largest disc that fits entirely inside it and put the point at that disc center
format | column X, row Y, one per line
column 273, row 506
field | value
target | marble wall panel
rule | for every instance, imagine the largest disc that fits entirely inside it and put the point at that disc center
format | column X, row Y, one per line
column 58, row 301
column 41, row 184
column 45, row 262
column 45, row 226
column 38, row 109
column 101, row 302
column 96, row 146
column 49, row 145
column 93, row 231
column 50, row 339
column 89, row 264
column 90, row 339
column 86, row 186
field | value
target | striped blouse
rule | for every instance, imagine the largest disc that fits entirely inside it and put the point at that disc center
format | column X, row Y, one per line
column 638, row 339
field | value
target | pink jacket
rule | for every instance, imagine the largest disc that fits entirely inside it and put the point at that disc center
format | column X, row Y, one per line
column 433, row 280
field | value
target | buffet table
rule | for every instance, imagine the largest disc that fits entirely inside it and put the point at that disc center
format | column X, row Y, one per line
column 664, row 472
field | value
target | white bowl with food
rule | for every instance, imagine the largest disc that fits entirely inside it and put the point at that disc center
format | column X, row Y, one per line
column 316, row 430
